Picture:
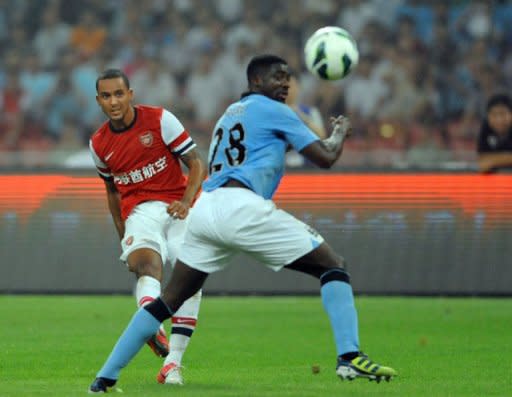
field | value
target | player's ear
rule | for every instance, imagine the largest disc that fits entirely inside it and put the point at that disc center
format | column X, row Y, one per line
column 256, row 81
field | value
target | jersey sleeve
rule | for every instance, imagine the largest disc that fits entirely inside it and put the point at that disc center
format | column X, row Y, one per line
column 295, row 131
column 175, row 136
column 101, row 167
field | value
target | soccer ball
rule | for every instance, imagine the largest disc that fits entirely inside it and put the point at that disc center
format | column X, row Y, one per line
column 331, row 53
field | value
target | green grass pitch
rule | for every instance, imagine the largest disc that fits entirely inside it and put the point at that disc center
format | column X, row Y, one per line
column 262, row 346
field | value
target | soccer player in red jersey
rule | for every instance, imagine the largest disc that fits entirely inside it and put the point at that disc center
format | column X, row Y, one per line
column 137, row 153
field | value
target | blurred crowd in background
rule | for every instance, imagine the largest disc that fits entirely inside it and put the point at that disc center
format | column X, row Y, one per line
column 416, row 99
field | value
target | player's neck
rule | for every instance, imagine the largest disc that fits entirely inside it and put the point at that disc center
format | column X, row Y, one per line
column 126, row 122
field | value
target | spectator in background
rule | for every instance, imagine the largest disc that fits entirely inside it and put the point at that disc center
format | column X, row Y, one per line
column 175, row 52
column 310, row 115
column 83, row 75
column 460, row 56
column 495, row 139
column 133, row 53
column 11, row 110
column 4, row 28
column 64, row 108
column 427, row 147
column 199, row 34
column 19, row 38
column 355, row 14
column 51, row 38
column 231, row 64
column 474, row 22
column 68, row 146
column 229, row 11
column 88, row 35
column 124, row 19
column 250, row 29
column 365, row 92
column 203, row 80
column 154, row 84
column 38, row 85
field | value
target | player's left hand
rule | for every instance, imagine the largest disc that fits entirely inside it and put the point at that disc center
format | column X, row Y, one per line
column 341, row 124
column 178, row 210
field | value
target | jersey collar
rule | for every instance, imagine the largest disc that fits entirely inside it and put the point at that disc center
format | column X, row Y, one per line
column 118, row 131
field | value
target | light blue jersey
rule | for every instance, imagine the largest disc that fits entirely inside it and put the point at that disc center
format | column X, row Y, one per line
column 249, row 144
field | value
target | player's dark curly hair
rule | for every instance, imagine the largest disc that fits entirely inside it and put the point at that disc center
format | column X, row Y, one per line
column 260, row 64
column 113, row 74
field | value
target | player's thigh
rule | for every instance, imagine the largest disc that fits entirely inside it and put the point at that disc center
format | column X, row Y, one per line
column 276, row 237
column 175, row 236
column 204, row 247
column 146, row 229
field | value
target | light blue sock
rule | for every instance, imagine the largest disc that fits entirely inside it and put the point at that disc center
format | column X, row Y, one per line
column 142, row 326
column 338, row 301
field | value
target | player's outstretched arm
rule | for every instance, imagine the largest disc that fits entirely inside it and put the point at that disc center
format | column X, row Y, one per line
column 196, row 174
column 114, row 205
column 326, row 152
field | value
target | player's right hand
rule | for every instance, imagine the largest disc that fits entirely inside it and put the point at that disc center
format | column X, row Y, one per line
column 178, row 209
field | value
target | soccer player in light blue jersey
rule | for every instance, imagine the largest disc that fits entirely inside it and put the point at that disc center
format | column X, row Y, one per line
column 235, row 213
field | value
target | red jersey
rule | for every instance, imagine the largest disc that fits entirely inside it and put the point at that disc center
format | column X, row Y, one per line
column 143, row 158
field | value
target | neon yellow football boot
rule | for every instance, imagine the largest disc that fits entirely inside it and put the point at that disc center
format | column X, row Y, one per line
column 363, row 367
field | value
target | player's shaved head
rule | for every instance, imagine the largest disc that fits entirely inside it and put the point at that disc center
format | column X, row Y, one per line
column 260, row 64
column 113, row 74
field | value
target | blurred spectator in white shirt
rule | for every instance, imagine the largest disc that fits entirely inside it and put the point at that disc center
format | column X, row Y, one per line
column 231, row 65
column 354, row 15
column 51, row 38
column 206, row 91
column 250, row 29
column 364, row 91
column 229, row 10
column 37, row 84
column 154, row 84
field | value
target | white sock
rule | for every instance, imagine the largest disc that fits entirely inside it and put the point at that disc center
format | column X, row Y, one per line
column 147, row 290
column 183, row 326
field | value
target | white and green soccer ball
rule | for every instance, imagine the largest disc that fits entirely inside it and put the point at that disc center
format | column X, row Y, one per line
column 331, row 53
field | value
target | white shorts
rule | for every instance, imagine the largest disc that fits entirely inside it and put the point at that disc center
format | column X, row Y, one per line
column 150, row 226
column 231, row 220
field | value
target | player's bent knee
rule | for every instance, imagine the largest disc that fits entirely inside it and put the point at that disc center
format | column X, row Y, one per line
column 145, row 262
column 132, row 267
column 342, row 263
column 146, row 269
column 327, row 258
column 334, row 262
